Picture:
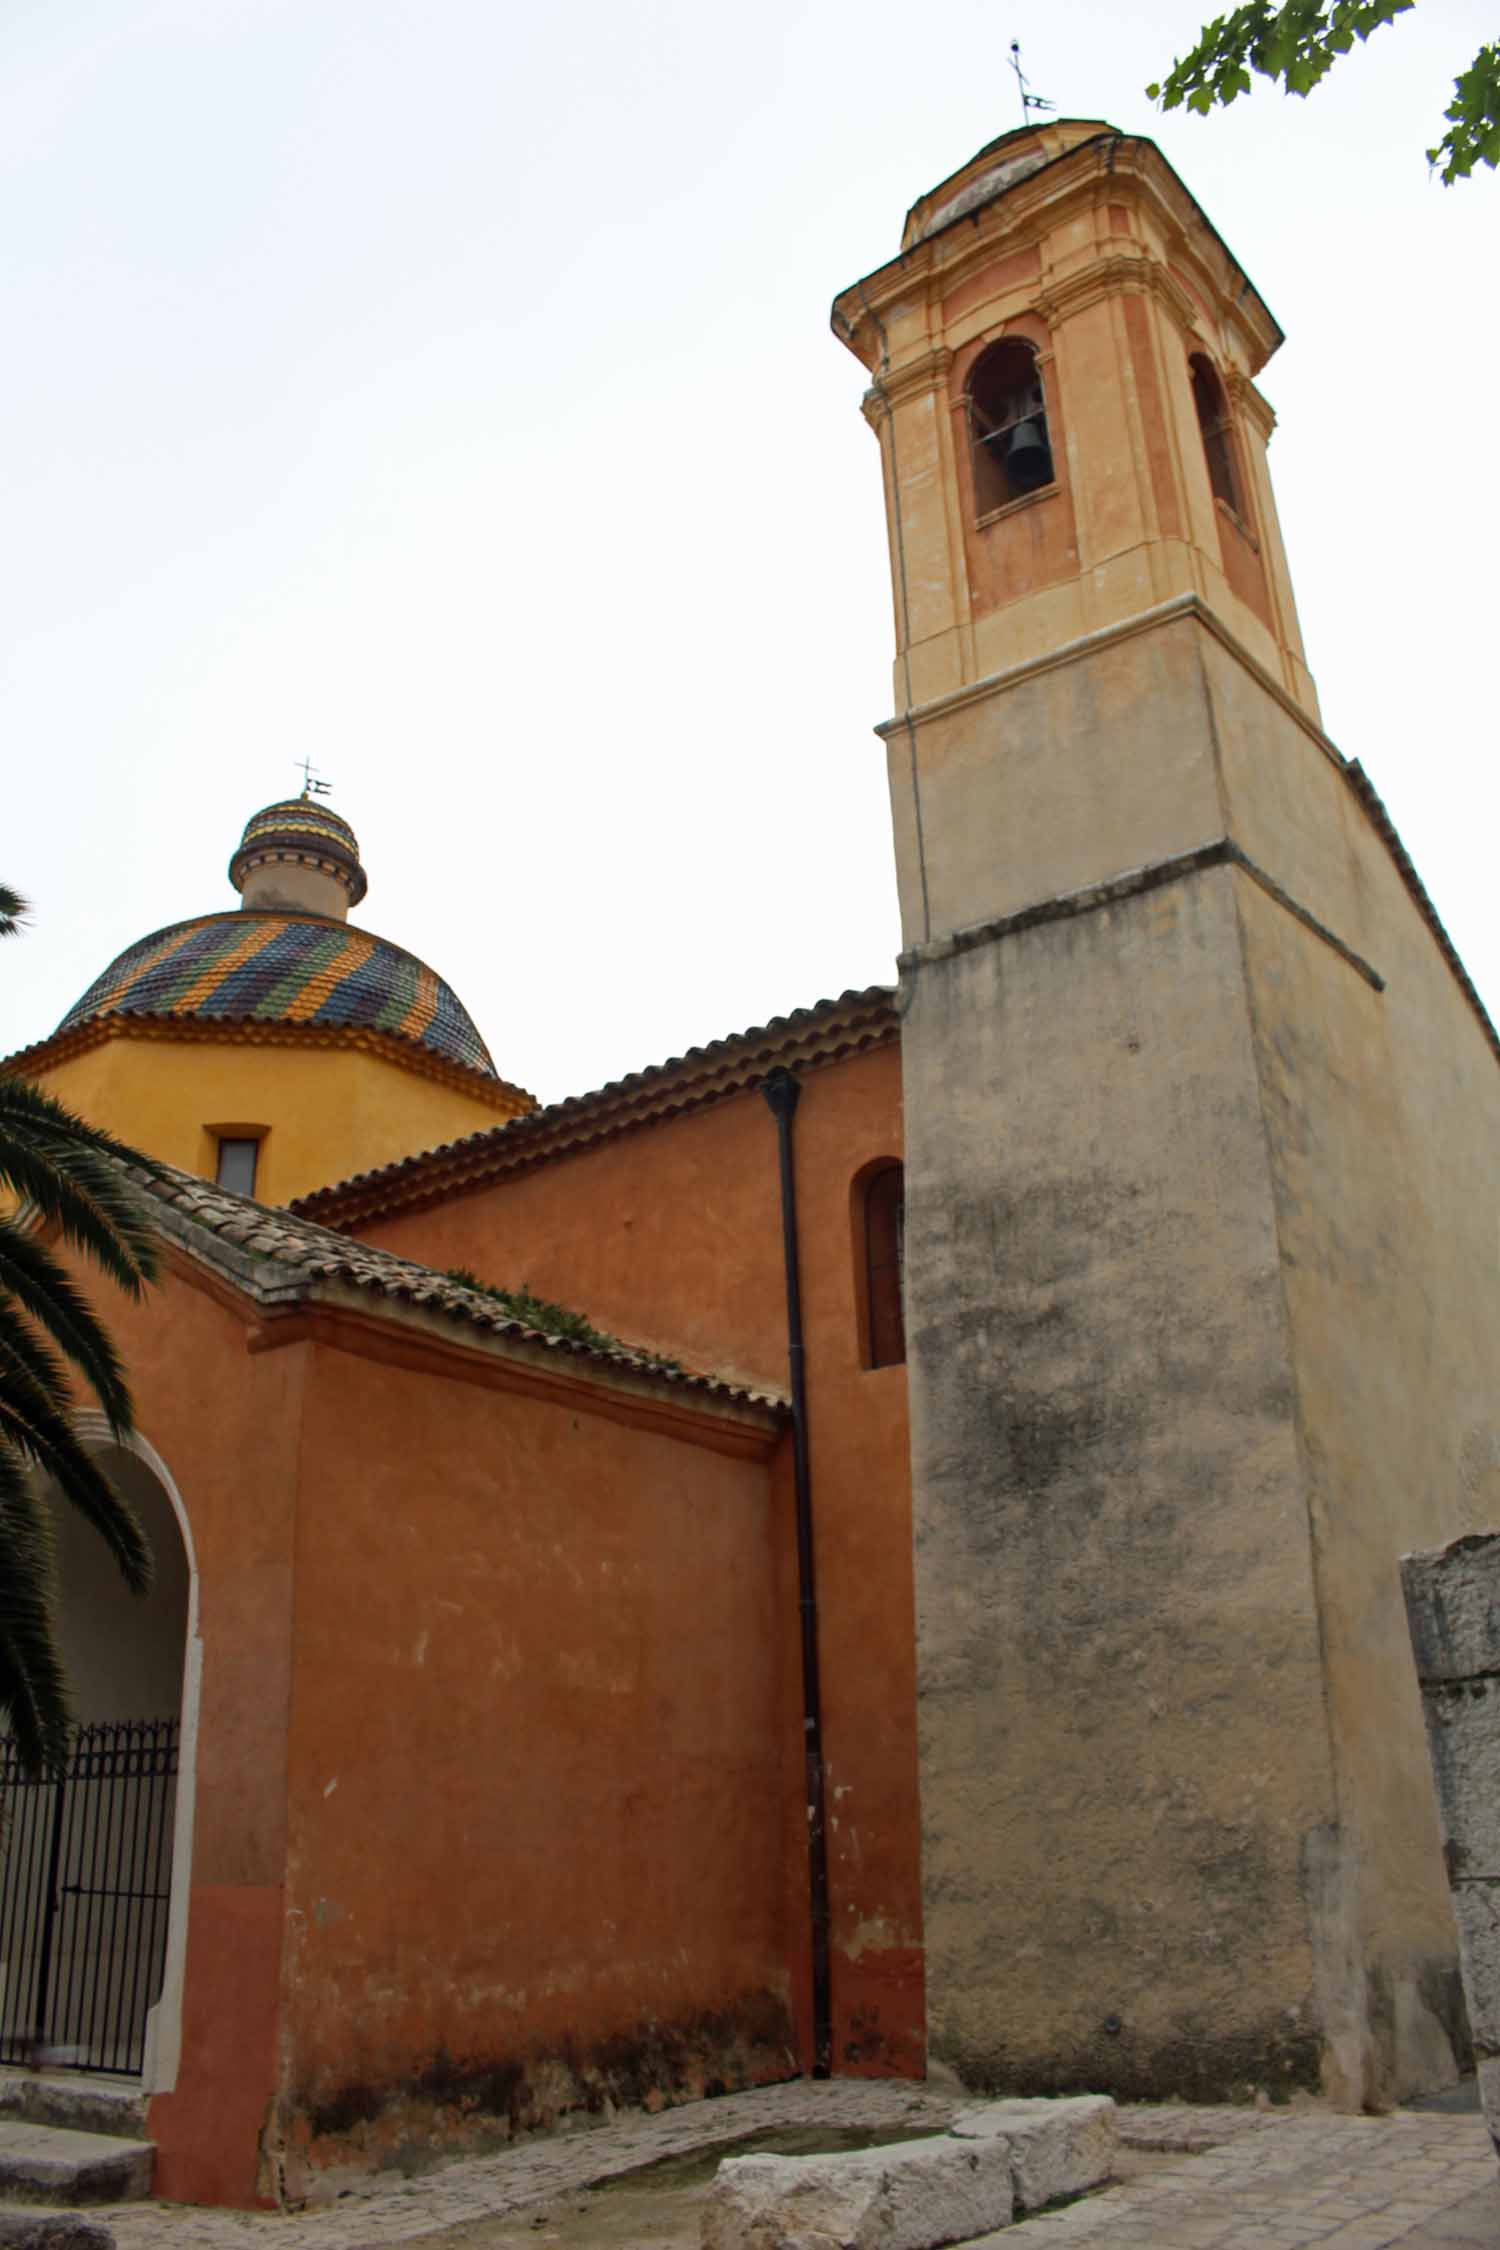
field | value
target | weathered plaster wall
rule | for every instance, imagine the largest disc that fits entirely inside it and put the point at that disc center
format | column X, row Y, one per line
column 1126, row 1775
column 672, row 1237
column 1074, row 772
column 536, row 1817
column 1382, row 1109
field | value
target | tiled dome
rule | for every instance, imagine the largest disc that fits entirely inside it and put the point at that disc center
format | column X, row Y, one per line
column 247, row 967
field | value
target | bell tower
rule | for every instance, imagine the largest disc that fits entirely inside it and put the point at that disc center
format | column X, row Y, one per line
column 1200, row 1109
column 1062, row 364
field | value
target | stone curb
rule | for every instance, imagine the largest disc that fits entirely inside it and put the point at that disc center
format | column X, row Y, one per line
column 996, row 2158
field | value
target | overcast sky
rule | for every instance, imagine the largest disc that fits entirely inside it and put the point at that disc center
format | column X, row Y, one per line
column 445, row 392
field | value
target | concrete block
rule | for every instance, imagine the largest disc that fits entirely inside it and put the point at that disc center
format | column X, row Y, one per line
column 1453, row 1607
column 50, row 2230
column 1056, row 2148
column 1463, row 1742
column 912, row 2197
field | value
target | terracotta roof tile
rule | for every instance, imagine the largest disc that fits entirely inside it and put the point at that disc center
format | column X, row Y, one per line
column 805, row 1039
column 311, row 1254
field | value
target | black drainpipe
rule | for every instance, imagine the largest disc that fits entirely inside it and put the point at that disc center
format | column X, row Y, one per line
column 781, row 1090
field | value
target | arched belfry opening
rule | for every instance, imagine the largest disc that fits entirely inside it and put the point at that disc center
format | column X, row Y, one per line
column 1212, row 409
column 1012, row 452
column 92, row 1885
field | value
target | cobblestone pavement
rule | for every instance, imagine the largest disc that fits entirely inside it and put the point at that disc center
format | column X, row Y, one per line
column 1260, row 2181
column 1344, row 2183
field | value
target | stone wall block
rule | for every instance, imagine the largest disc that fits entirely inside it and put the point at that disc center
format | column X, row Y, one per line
column 1057, row 2148
column 1463, row 1740
column 911, row 2197
column 1476, row 1909
column 1453, row 1607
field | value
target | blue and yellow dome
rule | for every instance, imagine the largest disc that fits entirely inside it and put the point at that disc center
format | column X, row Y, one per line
column 249, row 967
column 287, row 957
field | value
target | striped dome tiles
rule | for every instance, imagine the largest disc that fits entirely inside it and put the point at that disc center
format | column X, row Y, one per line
column 244, row 967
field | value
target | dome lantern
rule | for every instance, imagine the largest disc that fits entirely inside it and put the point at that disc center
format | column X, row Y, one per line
column 297, row 857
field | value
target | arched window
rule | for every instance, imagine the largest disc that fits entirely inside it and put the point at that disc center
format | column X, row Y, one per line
column 1008, row 440
column 884, row 1233
column 1213, row 422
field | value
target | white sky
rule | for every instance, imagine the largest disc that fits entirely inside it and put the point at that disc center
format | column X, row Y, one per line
column 445, row 391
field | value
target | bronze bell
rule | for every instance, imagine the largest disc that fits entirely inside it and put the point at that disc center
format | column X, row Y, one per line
column 1028, row 458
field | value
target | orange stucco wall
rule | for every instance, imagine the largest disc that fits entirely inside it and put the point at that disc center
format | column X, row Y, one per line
column 671, row 1236
column 536, row 1778
column 496, row 1758
column 228, row 1427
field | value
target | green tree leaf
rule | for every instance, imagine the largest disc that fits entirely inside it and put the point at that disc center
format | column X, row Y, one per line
column 1297, row 44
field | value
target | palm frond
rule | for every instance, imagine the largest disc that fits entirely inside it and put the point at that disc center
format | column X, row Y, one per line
column 44, row 1290
column 36, row 1429
column 80, row 1179
column 33, row 1691
column 22, row 1346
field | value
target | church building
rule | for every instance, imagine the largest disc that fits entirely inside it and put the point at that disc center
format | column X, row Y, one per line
column 872, row 1543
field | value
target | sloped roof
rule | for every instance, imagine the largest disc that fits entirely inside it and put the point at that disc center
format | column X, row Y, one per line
column 803, row 1040
column 280, row 1260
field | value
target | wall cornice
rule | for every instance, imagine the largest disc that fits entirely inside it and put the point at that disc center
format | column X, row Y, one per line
column 406, row 1054
column 1181, row 608
column 404, row 1337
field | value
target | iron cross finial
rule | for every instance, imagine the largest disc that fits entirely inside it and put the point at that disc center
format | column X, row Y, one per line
column 311, row 786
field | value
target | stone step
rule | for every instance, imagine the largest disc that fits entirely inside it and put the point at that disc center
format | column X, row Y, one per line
column 88, row 2105
column 54, row 2164
column 32, row 2229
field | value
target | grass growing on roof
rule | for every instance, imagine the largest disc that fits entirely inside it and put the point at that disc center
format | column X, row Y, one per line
column 556, row 1320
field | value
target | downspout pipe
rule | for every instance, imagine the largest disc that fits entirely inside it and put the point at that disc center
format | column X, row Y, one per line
column 782, row 1091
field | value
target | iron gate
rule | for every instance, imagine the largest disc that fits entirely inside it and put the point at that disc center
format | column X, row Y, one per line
column 84, row 1892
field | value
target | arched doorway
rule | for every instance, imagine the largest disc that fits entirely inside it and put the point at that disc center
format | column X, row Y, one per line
column 91, row 1894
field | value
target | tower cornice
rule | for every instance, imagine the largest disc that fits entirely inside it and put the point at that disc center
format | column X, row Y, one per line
column 1017, row 217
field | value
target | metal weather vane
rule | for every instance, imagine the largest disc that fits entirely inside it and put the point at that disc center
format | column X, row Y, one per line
column 1029, row 101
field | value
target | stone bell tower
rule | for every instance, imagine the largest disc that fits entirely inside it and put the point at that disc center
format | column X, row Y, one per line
column 1201, row 1124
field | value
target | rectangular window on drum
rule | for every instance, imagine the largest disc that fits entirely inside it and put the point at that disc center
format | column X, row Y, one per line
column 236, row 1165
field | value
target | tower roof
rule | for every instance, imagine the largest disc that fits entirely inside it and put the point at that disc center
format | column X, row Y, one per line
column 301, row 830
